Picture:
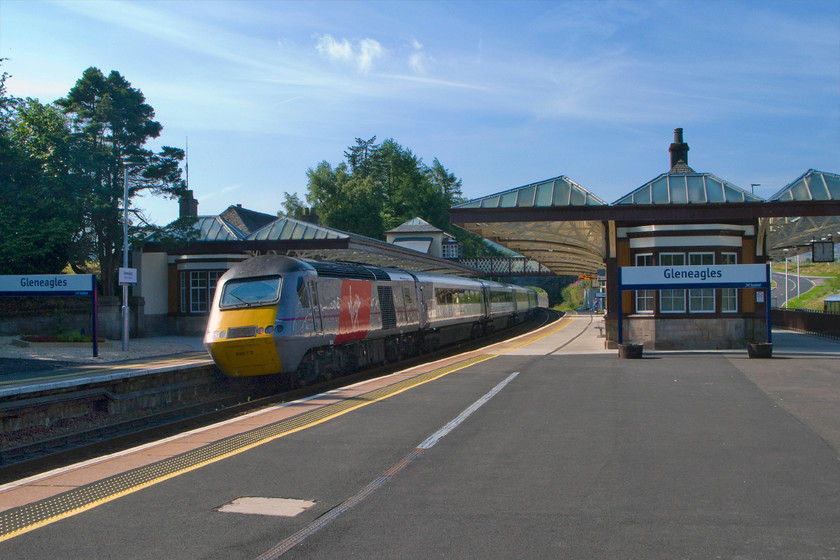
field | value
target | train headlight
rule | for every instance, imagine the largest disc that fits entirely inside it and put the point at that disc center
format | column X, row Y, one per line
column 269, row 329
column 222, row 334
column 215, row 335
column 278, row 329
column 260, row 330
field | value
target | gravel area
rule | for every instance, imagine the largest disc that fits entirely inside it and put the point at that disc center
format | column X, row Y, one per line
column 46, row 356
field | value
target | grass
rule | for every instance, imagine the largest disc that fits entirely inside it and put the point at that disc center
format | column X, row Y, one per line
column 813, row 299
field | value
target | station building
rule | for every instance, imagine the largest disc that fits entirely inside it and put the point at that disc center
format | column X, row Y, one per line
column 680, row 218
column 177, row 280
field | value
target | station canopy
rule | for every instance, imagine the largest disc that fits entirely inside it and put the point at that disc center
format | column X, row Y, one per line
column 564, row 246
column 791, row 235
column 242, row 231
column 563, row 226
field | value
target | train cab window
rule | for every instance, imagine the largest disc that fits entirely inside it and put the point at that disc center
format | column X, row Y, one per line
column 249, row 292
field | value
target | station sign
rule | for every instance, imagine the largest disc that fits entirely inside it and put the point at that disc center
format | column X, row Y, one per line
column 707, row 276
column 47, row 285
column 127, row 276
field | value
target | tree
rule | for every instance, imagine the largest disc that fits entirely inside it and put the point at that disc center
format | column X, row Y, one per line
column 42, row 196
column 113, row 121
column 41, row 187
column 362, row 156
column 295, row 208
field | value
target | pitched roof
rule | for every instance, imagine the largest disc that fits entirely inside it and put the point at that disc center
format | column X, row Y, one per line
column 246, row 220
column 559, row 191
column 811, row 185
column 415, row 225
column 284, row 229
column 687, row 188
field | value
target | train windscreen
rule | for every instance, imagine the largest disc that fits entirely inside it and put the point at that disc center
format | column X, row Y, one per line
column 250, row 292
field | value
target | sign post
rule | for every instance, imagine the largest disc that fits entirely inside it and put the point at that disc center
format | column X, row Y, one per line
column 694, row 277
column 127, row 277
column 55, row 285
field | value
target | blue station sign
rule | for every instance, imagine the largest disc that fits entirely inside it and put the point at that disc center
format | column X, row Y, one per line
column 707, row 276
column 47, row 285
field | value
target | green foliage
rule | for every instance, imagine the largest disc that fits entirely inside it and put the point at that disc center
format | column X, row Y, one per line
column 41, row 189
column 379, row 187
column 573, row 295
column 114, row 121
column 62, row 174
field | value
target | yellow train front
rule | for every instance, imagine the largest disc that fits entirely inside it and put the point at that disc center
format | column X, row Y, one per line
column 257, row 323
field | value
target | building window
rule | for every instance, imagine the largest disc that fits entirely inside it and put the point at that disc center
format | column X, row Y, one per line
column 729, row 296
column 451, row 250
column 701, row 300
column 197, row 289
column 644, row 298
column 672, row 301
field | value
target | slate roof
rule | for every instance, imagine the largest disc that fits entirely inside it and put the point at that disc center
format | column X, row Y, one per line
column 246, row 220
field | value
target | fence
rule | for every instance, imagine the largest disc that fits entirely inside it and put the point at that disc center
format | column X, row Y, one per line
column 514, row 266
column 808, row 321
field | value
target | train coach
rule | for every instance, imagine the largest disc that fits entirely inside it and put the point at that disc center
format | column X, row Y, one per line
column 315, row 320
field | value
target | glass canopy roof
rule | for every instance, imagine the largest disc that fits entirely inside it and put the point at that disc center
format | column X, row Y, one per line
column 812, row 185
column 566, row 231
column 792, row 235
column 688, row 188
column 559, row 191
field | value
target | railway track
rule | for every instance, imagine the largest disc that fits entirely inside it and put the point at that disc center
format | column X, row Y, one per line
column 41, row 455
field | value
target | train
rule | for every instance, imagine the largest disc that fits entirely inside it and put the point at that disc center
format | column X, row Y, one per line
column 316, row 320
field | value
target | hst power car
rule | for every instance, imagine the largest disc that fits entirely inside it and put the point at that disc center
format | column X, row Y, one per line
column 277, row 315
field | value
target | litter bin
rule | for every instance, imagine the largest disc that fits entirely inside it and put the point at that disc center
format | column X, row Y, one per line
column 630, row 351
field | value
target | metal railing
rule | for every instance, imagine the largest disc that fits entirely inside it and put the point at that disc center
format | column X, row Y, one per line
column 512, row 266
column 808, row 321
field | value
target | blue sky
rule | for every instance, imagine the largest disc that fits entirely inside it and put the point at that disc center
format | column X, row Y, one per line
column 502, row 93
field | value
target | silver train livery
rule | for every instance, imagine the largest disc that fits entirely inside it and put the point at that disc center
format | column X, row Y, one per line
column 277, row 315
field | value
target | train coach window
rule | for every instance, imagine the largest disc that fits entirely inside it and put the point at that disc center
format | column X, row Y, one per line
column 247, row 292
column 303, row 294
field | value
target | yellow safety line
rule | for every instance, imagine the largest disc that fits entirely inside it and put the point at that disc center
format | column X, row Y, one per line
column 33, row 516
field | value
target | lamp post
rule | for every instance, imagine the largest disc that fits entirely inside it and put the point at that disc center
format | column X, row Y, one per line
column 125, row 312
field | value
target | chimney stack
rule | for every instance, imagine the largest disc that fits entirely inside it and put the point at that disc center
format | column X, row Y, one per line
column 188, row 206
column 679, row 149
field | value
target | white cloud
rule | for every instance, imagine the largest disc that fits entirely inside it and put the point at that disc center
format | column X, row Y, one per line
column 361, row 56
column 418, row 60
column 370, row 50
column 336, row 50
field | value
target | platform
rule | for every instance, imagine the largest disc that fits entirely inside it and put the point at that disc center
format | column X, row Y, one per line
column 576, row 454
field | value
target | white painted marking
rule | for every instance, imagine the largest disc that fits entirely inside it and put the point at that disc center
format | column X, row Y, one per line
column 435, row 437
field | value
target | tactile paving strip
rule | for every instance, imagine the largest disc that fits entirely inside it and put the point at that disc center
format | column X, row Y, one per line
column 25, row 518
